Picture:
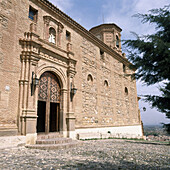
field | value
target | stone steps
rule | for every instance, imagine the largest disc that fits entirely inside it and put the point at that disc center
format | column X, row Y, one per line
column 42, row 136
column 53, row 141
column 54, row 146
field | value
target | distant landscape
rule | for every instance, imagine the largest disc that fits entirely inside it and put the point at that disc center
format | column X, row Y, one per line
column 156, row 130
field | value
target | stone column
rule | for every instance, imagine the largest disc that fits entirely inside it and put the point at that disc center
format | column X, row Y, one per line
column 46, row 27
column 59, row 31
column 21, row 84
column 63, row 111
column 70, row 114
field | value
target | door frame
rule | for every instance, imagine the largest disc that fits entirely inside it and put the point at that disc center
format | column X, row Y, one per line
column 48, row 101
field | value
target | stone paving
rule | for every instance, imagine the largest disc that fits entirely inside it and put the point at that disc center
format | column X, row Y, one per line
column 94, row 154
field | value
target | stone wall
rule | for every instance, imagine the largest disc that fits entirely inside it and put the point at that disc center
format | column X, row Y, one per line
column 12, row 26
column 104, row 100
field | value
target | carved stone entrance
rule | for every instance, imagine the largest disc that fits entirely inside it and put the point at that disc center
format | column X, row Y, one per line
column 49, row 97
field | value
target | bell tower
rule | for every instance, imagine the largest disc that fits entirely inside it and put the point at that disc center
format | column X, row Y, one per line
column 110, row 34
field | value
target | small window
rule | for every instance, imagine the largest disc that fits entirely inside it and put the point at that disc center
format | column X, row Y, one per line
column 68, row 36
column 90, row 79
column 117, row 41
column 124, row 68
column 101, row 54
column 126, row 90
column 33, row 14
column 106, row 84
column 52, row 35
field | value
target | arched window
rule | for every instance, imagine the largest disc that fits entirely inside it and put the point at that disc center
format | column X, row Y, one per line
column 126, row 90
column 90, row 79
column 106, row 84
column 117, row 41
column 52, row 35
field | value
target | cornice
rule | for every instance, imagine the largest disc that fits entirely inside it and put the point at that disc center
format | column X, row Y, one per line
column 85, row 32
column 106, row 26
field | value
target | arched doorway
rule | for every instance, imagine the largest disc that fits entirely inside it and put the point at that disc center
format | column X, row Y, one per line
column 49, row 95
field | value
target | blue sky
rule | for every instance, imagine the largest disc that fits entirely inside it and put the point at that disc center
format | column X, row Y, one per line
column 90, row 13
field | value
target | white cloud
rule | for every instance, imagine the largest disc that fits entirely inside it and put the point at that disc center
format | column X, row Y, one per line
column 142, row 6
column 122, row 15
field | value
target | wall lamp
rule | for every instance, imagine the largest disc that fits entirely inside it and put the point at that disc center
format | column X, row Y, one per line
column 35, row 82
column 73, row 91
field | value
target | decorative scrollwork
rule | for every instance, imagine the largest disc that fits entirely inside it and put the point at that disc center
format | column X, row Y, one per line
column 49, row 87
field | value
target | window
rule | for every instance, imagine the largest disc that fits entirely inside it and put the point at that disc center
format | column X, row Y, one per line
column 33, row 14
column 68, row 36
column 101, row 54
column 124, row 68
column 126, row 90
column 106, row 84
column 117, row 41
column 90, row 79
column 52, row 35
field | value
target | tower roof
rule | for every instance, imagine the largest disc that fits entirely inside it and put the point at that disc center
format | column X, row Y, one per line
column 107, row 26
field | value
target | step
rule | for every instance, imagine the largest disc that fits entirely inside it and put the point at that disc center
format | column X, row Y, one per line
column 49, row 135
column 55, row 146
column 54, row 141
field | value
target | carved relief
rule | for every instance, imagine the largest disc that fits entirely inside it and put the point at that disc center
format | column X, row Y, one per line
column 49, row 88
column 55, row 59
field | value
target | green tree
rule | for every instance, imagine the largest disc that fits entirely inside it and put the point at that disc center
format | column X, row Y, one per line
column 150, row 55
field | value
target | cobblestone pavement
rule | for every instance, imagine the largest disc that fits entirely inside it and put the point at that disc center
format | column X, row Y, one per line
column 94, row 154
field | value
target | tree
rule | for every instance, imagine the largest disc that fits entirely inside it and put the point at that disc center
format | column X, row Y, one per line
column 150, row 55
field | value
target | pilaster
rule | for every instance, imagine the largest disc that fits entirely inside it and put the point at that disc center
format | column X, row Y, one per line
column 27, row 112
column 70, row 119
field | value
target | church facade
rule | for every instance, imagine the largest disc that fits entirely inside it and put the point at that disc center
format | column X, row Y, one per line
column 58, row 77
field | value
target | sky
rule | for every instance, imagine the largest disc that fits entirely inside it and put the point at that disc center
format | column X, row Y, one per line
column 90, row 13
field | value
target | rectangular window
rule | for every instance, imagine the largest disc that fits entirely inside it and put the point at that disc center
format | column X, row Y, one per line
column 124, row 68
column 68, row 36
column 101, row 54
column 33, row 14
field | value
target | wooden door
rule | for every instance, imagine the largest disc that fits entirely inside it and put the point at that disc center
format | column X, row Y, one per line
column 49, row 92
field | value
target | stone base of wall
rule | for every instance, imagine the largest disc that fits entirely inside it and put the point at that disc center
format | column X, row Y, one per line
column 8, row 130
column 110, row 132
column 12, row 141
